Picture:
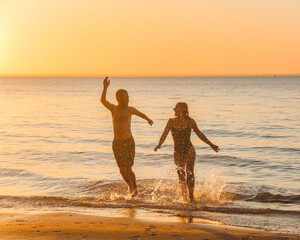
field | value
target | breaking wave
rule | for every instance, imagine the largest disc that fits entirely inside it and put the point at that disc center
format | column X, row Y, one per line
column 211, row 195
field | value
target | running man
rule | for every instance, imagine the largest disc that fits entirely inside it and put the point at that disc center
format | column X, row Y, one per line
column 123, row 144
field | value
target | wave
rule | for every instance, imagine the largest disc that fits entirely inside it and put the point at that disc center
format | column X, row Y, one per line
column 124, row 201
column 210, row 190
column 33, row 176
column 264, row 197
column 164, row 194
column 231, row 161
column 247, row 134
column 269, row 197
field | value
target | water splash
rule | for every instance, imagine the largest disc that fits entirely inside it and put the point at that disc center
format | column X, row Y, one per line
column 210, row 190
column 165, row 191
column 117, row 197
column 162, row 186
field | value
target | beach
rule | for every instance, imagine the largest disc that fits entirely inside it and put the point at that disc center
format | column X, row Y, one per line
column 68, row 225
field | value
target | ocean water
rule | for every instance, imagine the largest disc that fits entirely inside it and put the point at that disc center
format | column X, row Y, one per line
column 55, row 148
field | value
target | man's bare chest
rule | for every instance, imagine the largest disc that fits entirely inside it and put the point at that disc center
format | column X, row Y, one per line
column 122, row 116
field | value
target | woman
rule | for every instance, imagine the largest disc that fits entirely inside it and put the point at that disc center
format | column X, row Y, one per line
column 184, row 151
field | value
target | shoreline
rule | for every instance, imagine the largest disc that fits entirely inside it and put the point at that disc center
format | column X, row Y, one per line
column 70, row 225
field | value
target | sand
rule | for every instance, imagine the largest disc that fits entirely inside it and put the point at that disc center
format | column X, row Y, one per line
column 66, row 225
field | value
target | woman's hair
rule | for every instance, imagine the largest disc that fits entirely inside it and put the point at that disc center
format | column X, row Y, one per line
column 184, row 107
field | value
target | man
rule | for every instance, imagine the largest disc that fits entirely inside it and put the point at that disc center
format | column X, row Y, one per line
column 123, row 144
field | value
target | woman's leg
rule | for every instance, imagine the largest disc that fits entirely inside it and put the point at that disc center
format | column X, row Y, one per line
column 180, row 164
column 190, row 177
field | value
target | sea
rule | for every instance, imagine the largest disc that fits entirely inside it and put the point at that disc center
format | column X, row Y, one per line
column 56, row 149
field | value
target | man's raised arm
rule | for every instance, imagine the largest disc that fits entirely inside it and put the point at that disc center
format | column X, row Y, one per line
column 106, row 103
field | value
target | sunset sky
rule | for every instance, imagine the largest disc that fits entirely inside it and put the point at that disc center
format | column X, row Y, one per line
column 150, row 37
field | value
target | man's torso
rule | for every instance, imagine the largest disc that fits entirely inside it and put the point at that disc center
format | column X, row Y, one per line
column 122, row 122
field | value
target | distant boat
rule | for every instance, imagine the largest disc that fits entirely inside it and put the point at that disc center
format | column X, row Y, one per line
column 275, row 76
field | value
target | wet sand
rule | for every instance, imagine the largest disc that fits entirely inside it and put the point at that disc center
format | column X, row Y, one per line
column 65, row 225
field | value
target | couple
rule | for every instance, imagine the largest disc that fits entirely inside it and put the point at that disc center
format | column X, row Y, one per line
column 124, row 147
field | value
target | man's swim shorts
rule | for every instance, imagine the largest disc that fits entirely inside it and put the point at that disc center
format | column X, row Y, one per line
column 124, row 151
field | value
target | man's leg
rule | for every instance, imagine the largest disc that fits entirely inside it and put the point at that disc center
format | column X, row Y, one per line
column 126, row 177
column 124, row 154
column 131, row 155
column 132, row 180
column 120, row 152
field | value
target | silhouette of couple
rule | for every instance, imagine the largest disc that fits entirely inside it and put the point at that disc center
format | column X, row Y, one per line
column 180, row 126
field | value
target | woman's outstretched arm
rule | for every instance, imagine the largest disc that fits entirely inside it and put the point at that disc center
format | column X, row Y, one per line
column 202, row 136
column 164, row 135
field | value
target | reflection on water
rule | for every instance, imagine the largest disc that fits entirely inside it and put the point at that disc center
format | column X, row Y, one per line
column 129, row 212
column 187, row 219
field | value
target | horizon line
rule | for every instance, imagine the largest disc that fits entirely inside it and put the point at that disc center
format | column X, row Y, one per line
column 153, row 75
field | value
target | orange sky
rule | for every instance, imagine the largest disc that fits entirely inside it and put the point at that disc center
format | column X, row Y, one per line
column 150, row 37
